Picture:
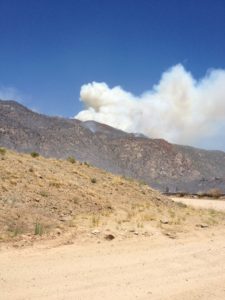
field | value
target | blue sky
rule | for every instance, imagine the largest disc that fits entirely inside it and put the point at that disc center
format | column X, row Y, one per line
column 49, row 49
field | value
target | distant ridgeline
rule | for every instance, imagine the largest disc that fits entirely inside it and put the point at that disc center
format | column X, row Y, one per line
column 167, row 167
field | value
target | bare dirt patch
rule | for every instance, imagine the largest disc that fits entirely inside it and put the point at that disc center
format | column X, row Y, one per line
column 150, row 268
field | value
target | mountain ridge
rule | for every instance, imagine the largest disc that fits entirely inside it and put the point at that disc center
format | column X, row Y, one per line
column 162, row 165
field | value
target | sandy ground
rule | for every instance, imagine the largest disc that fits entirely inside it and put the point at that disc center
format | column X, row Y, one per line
column 202, row 203
column 155, row 267
column 161, row 250
column 149, row 268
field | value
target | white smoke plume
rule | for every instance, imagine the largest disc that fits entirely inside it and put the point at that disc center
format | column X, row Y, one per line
column 179, row 108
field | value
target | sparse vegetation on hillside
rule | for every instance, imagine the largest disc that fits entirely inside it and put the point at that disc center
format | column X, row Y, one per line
column 71, row 159
column 93, row 180
column 212, row 193
column 38, row 229
column 63, row 197
column 34, row 154
column 2, row 151
column 168, row 167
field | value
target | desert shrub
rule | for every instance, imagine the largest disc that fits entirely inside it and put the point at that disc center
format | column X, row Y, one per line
column 182, row 205
column 181, row 194
column 34, row 154
column 71, row 159
column 16, row 229
column 95, row 220
column 75, row 200
column 2, row 151
column 93, row 180
column 142, row 182
column 129, row 179
column 214, row 193
column 38, row 230
column 55, row 184
column 43, row 193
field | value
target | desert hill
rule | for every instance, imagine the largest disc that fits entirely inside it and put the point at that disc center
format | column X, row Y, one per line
column 162, row 165
column 49, row 198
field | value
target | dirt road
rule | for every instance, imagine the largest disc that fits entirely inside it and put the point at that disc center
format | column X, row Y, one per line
column 149, row 268
column 202, row 203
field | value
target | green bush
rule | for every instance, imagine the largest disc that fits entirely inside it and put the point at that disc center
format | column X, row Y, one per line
column 71, row 159
column 38, row 230
column 2, row 151
column 34, row 154
column 93, row 180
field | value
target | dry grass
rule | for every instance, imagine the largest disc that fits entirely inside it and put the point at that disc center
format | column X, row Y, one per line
column 73, row 197
column 214, row 193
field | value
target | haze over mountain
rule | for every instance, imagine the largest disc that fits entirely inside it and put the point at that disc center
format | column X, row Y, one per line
column 179, row 108
column 155, row 161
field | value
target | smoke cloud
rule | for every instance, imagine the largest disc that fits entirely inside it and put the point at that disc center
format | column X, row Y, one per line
column 179, row 108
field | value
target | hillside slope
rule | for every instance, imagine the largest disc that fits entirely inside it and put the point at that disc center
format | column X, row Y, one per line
column 157, row 162
column 51, row 197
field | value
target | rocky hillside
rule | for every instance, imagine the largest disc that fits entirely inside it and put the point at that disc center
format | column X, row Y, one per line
column 49, row 198
column 162, row 165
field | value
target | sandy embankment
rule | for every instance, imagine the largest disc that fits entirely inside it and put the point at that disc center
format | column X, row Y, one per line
column 202, row 203
column 148, row 268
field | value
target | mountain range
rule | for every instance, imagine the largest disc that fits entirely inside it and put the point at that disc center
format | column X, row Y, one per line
column 165, row 166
